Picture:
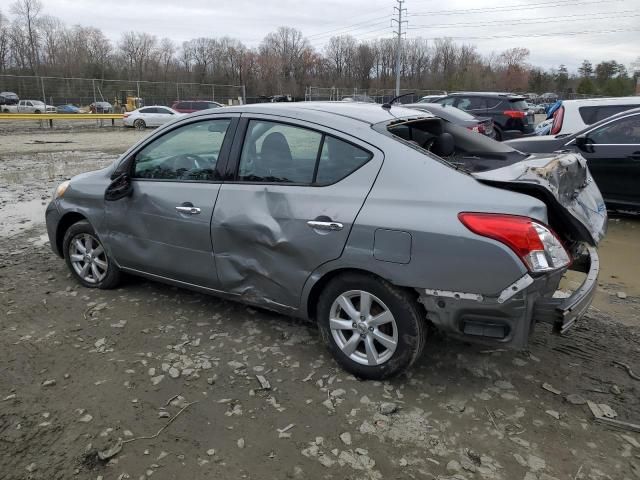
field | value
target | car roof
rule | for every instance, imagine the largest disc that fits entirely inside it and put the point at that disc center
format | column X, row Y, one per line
column 370, row 113
column 603, row 101
column 488, row 94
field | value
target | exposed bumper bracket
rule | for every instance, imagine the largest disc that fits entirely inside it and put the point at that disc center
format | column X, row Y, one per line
column 563, row 312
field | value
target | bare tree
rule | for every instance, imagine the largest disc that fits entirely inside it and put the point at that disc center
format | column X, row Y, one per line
column 27, row 12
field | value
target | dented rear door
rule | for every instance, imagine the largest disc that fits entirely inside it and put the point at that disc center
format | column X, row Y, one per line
column 273, row 225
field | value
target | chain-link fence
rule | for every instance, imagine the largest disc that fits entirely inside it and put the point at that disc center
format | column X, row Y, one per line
column 83, row 91
column 377, row 95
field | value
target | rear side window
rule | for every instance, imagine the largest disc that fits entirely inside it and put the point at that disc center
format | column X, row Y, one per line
column 518, row 105
column 472, row 103
column 446, row 101
column 596, row 113
column 338, row 160
column 149, row 110
column 279, row 153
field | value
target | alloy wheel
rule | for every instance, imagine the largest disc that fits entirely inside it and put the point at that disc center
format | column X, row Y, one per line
column 363, row 327
column 88, row 258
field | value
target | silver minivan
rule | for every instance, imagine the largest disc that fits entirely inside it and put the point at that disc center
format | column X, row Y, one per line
column 377, row 222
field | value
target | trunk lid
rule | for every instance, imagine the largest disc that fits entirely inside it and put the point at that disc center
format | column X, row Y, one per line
column 562, row 180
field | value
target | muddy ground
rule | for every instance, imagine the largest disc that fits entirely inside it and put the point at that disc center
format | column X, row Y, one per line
column 172, row 373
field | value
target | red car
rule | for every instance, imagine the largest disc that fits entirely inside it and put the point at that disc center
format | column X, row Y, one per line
column 190, row 106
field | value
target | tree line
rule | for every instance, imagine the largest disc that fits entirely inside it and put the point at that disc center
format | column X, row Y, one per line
column 35, row 43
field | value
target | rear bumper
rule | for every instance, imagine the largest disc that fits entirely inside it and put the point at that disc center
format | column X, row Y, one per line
column 562, row 313
column 508, row 318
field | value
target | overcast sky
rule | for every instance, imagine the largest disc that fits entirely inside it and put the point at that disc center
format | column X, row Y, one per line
column 250, row 20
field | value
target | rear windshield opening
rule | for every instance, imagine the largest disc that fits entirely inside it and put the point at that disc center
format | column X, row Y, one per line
column 456, row 145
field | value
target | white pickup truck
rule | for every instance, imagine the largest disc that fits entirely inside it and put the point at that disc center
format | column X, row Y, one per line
column 29, row 106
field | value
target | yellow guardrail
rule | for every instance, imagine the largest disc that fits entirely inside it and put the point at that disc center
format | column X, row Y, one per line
column 60, row 116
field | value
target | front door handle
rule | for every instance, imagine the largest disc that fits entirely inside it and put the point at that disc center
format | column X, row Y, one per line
column 328, row 226
column 188, row 210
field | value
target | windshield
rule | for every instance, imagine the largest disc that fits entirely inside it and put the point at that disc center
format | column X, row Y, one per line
column 458, row 146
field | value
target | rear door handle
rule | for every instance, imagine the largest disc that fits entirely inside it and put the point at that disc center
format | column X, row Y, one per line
column 327, row 226
column 188, row 210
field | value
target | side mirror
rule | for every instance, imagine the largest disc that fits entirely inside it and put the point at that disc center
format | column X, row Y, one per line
column 583, row 143
column 120, row 187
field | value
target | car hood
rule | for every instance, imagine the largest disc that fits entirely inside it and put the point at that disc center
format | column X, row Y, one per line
column 563, row 181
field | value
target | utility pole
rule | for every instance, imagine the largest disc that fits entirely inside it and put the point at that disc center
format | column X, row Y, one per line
column 399, row 21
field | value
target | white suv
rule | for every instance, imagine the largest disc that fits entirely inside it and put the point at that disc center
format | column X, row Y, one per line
column 575, row 115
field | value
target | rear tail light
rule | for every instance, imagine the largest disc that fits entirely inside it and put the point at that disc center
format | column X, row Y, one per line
column 515, row 113
column 535, row 244
column 125, row 114
column 477, row 128
column 558, row 118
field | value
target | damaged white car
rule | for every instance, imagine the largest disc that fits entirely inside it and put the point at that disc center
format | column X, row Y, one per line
column 377, row 222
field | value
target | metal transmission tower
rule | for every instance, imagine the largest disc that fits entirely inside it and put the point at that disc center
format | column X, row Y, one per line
column 399, row 21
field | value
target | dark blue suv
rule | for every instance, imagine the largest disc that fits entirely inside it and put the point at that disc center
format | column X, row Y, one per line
column 509, row 112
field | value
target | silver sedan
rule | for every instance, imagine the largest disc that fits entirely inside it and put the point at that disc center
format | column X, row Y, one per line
column 377, row 222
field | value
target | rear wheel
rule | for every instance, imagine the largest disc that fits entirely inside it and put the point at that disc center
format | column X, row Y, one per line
column 87, row 259
column 498, row 133
column 139, row 124
column 372, row 328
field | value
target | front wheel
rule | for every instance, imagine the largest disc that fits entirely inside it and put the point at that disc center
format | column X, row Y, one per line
column 372, row 328
column 87, row 259
column 139, row 124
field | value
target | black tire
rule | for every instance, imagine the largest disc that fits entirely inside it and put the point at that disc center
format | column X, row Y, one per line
column 498, row 133
column 37, row 111
column 139, row 124
column 409, row 317
column 81, row 230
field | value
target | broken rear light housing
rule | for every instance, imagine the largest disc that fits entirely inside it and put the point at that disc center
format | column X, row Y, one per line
column 536, row 245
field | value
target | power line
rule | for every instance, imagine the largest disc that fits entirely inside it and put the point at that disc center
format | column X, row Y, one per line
column 347, row 27
column 520, row 21
column 552, row 4
column 536, row 35
column 360, row 36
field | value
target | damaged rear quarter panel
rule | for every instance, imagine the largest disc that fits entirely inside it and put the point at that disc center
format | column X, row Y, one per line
column 419, row 195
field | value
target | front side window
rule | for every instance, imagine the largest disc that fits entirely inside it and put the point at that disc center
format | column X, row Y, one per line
column 188, row 153
column 278, row 153
column 164, row 111
column 624, row 131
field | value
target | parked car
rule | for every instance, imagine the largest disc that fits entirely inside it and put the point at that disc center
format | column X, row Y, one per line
column 29, row 106
column 153, row 116
column 334, row 212
column 612, row 149
column 359, row 98
column 457, row 117
column 431, row 98
column 536, row 109
column 190, row 106
column 574, row 115
column 509, row 112
column 8, row 98
column 101, row 107
column 67, row 109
